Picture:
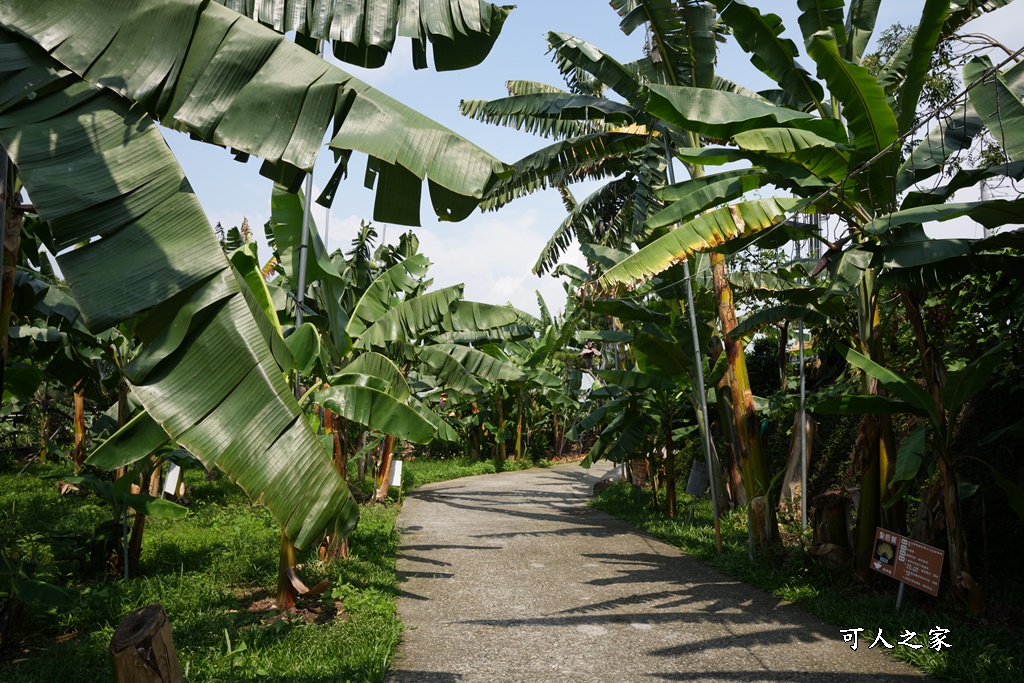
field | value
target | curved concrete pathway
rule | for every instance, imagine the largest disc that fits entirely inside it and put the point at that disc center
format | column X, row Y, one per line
column 512, row 577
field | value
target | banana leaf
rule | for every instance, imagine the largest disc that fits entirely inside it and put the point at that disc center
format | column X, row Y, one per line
column 377, row 410
column 872, row 124
column 699, row 194
column 760, row 36
column 704, row 232
column 721, row 115
column 822, row 15
column 411, row 318
column 204, row 69
column 1000, row 109
column 461, row 33
column 205, row 373
column 558, row 115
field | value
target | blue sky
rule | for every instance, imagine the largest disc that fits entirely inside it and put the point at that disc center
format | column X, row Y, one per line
column 492, row 253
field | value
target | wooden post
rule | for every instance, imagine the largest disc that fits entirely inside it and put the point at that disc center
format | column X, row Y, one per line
column 143, row 650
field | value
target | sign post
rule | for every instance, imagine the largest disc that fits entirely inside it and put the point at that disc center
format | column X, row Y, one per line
column 909, row 562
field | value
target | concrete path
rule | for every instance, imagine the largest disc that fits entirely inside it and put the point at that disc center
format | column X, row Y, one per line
column 512, row 577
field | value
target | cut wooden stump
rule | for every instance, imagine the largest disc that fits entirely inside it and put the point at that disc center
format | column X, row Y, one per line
column 143, row 650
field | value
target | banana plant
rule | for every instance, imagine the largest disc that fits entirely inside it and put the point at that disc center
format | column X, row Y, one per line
column 146, row 252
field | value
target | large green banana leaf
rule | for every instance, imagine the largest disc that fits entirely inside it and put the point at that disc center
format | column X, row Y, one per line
column 573, row 56
column 376, row 409
column 872, row 124
column 411, row 318
column 702, row 233
column 100, row 173
column 378, row 298
column 860, row 24
column 461, row 33
column 823, row 158
column 760, row 36
column 202, row 68
column 919, row 60
column 991, row 213
column 721, row 114
column 683, row 35
column 377, row 365
column 1000, row 109
column 822, row 15
column 699, row 194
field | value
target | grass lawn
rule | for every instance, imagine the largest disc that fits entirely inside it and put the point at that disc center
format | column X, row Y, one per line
column 214, row 572
column 982, row 649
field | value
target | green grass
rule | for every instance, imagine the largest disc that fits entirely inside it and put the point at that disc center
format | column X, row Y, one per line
column 206, row 570
column 417, row 472
column 981, row 650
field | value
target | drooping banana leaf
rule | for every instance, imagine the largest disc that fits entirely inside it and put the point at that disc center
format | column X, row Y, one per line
column 478, row 363
column 822, row 15
column 897, row 383
column 864, row 405
column 376, row 365
column 991, row 213
column 722, row 115
column 704, row 232
column 205, row 374
column 377, row 410
column 598, row 156
column 509, row 333
column 860, row 24
column 246, row 263
column 873, row 126
column 694, row 196
column 964, row 178
column 572, row 55
column 636, row 380
column 1000, row 109
column 204, row 69
column 625, row 309
column 949, row 272
column 461, row 33
column 760, row 36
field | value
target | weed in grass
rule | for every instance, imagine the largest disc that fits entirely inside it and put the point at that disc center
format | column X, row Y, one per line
column 980, row 650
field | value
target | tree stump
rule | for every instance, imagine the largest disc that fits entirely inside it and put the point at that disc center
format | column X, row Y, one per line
column 143, row 650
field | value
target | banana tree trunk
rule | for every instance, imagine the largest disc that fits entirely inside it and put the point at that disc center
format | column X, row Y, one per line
column 670, row 469
column 78, row 454
column 744, row 416
column 286, row 592
column 519, row 429
column 869, row 433
column 10, row 243
column 338, row 547
column 384, row 471
column 500, row 451
column 736, row 493
column 964, row 586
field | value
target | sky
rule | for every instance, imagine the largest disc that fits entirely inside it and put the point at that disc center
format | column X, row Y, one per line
column 492, row 253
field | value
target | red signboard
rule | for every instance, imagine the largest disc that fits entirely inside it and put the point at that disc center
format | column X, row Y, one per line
column 911, row 562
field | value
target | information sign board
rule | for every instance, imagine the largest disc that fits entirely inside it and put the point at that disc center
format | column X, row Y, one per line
column 907, row 561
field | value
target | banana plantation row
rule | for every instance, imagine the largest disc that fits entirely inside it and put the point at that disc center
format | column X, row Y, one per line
column 298, row 372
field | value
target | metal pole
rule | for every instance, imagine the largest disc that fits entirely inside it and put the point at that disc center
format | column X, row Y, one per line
column 699, row 389
column 802, row 421
column 300, row 289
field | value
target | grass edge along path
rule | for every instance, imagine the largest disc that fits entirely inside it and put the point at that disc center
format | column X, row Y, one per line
column 979, row 651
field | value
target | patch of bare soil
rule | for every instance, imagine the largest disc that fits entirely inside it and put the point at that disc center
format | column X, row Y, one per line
column 310, row 609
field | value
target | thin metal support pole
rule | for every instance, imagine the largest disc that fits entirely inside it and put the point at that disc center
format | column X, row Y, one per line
column 300, row 289
column 699, row 389
column 803, row 418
